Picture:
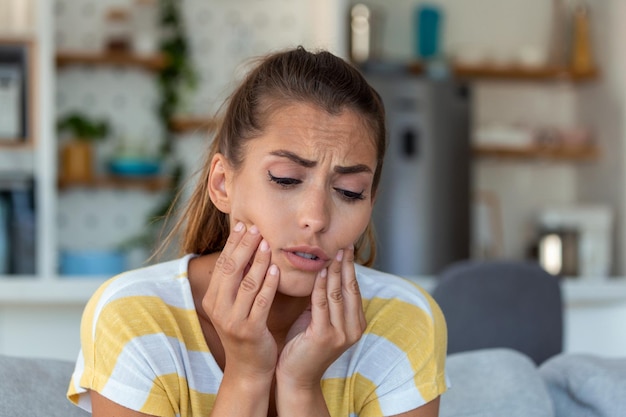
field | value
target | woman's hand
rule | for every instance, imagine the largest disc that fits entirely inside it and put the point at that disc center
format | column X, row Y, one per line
column 238, row 301
column 334, row 322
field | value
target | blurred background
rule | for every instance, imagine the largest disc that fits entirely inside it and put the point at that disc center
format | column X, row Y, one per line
column 506, row 122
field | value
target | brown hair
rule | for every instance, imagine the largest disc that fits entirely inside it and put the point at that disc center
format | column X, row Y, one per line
column 295, row 75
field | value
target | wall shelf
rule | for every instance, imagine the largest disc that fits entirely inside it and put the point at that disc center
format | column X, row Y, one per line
column 513, row 73
column 148, row 62
column 564, row 153
column 151, row 184
column 190, row 124
column 10, row 144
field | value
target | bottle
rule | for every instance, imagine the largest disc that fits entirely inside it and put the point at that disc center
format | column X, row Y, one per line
column 145, row 27
column 582, row 60
column 117, row 30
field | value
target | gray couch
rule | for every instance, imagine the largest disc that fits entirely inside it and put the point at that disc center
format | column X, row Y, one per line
column 485, row 383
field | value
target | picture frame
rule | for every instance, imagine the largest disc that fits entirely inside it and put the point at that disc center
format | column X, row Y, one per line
column 15, row 92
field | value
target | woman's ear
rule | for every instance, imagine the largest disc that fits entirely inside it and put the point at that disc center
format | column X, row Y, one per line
column 218, row 178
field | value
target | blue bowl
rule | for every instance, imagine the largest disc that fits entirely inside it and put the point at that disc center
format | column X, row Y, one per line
column 134, row 166
column 92, row 262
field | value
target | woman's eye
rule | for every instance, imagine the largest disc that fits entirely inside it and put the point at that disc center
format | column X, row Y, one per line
column 283, row 181
column 350, row 195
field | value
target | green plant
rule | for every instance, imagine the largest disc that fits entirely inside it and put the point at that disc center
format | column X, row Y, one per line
column 83, row 128
column 176, row 78
column 178, row 75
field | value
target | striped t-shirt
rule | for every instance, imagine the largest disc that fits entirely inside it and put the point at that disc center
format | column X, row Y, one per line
column 143, row 348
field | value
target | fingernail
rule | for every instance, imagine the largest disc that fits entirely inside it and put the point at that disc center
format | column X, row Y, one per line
column 264, row 246
column 340, row 255
column 273, row 270
column 239, row 227
column 254, row 230
column 323, row 273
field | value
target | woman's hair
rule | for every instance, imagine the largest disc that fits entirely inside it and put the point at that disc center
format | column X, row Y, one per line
column 293, row 76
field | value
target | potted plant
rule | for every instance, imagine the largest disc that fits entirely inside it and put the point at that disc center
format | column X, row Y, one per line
column 77, row 152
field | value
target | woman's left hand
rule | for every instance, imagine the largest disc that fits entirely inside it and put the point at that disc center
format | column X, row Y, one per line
column 334, row 322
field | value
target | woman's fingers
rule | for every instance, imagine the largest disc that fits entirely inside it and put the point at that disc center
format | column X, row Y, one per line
column 336, row 301
column 320, row 315
column 354, row 315
column 237, row 254
column 238, row 251
column 260, row 309
column 253, row 281
column 335, row 293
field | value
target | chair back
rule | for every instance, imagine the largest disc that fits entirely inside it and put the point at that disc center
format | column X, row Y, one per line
column 510, row 304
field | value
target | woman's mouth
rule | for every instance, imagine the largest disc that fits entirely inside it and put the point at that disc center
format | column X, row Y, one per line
column 308, row 259
column 306, row 255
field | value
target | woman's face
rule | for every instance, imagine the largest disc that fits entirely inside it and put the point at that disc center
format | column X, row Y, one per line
column 306, row 183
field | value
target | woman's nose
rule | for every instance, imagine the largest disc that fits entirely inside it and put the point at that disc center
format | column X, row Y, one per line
column 315, row 211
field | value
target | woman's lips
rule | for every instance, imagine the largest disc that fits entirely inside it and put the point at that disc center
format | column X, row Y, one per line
column 306, row 259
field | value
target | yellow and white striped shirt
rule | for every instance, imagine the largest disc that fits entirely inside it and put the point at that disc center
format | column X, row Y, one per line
column 143, row 348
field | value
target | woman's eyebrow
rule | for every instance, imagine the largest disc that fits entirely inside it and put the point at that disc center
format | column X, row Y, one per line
column 295, row 158
column 353, row 169
column 307, row 163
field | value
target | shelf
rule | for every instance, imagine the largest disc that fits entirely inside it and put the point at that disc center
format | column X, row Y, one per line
column 25, row 291
column 16, row 38
column 152, row 183
column 549, row 73
column 566, row 153
column 22, row 143
column 148, row 62
column 190, row 124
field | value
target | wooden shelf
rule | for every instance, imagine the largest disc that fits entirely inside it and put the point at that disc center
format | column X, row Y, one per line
column 22, row 143
column 189, row 124
column 565, row 153
column 150, row 63
column 19, row 38
column 151, row 183
column 518, row 73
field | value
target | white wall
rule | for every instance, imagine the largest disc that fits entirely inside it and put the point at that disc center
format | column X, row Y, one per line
column 602, row 108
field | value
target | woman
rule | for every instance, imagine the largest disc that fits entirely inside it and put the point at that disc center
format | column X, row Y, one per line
column 267, row 313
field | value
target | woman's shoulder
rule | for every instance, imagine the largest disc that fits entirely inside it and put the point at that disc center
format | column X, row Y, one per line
column 376, row 284
column 159, row 280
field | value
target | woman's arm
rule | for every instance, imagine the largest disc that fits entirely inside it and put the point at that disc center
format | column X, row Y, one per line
column 430, row 409
column 103, row 407
column 238, row 301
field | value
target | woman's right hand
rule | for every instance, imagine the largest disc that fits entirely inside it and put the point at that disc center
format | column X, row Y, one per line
column 238, row 302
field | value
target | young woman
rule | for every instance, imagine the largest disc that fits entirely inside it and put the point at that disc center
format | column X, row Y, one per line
column 268, row 312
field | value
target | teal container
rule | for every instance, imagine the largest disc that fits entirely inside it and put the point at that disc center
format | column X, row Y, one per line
column 427, row 23
column 92, row 262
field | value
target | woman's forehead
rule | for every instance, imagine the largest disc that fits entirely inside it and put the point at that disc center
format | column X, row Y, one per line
column 314, row 130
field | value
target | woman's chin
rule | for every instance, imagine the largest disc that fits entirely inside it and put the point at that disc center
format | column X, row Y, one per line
column 297, row 284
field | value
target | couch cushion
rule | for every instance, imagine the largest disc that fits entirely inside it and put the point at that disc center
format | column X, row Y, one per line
column 35, row 388
column 586, row 385
column 497, row 382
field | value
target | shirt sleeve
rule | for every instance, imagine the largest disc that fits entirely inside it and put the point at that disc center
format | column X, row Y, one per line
column 406, row 356
column 121, row 349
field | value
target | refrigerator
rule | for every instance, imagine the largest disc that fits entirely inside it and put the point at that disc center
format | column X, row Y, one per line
column 422, row 209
